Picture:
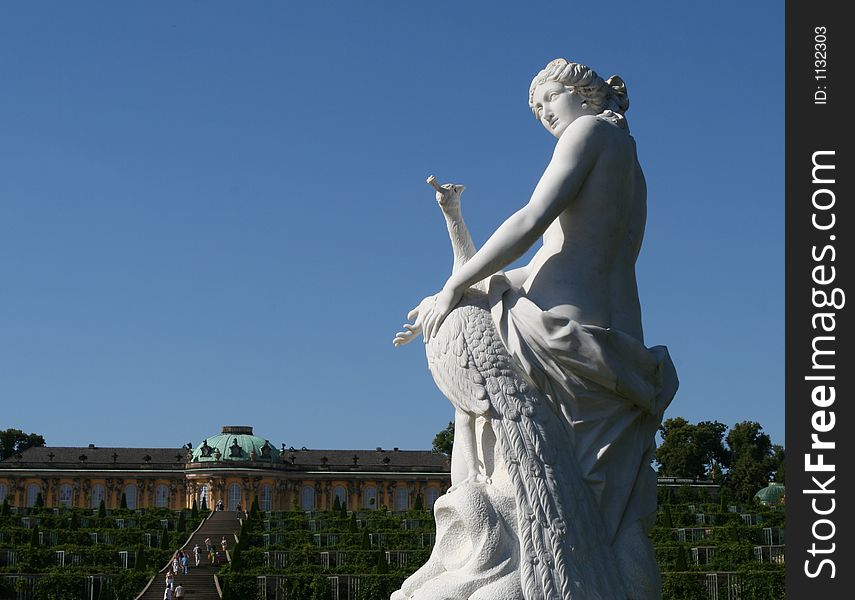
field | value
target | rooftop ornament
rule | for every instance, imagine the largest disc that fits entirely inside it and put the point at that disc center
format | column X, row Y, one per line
column 235, row 450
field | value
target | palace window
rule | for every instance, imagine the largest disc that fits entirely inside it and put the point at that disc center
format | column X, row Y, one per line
column 205, row 496
column 161, row 496
column 65, row 495
column 370, row 497
column 234, row 497
column 98, row 494
column 265, row 498
column 32, row 494
column 131, row 496
column 4, row 491
column 402, row 499
column 340, row 493
column 307, row 498
column 432, row 497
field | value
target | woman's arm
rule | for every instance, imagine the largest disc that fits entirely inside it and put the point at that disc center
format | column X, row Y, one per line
column 574, row 157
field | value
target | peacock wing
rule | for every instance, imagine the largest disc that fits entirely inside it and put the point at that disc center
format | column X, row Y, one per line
column 450, row 362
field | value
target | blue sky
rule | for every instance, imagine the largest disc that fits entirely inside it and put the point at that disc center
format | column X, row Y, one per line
column 215, row 213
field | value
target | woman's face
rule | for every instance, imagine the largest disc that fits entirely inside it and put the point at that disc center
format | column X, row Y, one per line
column 556, row 107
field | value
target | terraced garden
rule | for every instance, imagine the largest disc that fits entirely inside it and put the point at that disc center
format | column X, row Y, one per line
column 65, row 554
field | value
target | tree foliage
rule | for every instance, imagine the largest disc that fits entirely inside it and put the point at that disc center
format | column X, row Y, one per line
column 753, row 459
column 690, row 450
column 444, row 440
column 743, row 460
column 13, row 441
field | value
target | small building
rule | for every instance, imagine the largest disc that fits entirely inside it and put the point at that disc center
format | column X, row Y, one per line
column 234, row 467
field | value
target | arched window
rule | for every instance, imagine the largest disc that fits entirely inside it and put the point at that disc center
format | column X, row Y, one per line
column 340, row 493
column 98, row 494
column 234, row 496
column 402, row 499
column 307, row 498
column 33, row 491
column 4, row 491
column 432, row 497
column 161, row 496
column 204, row 496
column 131, row 496
column 65, row 495
column 265, row 498
column 370, row 498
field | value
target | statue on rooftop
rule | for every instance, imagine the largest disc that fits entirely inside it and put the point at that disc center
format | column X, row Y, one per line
column 557, row 399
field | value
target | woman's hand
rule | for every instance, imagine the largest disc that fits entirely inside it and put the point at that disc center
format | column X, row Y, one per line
column 444, row 302
column 411, row 332
column 429, row 316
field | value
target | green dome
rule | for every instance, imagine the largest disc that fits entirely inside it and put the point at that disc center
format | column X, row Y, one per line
column 771, row 494
column 235, row 443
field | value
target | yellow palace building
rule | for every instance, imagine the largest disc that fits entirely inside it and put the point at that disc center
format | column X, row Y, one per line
column 234, row 467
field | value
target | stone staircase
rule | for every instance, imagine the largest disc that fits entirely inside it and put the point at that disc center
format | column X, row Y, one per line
column 199, row 582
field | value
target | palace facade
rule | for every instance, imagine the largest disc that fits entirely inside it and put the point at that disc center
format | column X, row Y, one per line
column 234, row 466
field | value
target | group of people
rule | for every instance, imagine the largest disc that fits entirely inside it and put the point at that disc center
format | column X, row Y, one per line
column 181, row 564
column 212, row 551
column 220, row 505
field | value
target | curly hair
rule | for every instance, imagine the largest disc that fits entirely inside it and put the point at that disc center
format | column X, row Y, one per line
column 580, row 79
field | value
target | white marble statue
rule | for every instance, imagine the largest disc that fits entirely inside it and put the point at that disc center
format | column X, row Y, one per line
column 557, row 400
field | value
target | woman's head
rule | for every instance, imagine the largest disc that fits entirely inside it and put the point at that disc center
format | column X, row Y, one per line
column 579, row 79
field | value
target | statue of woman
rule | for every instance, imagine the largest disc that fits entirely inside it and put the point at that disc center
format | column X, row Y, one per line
column 570, row 322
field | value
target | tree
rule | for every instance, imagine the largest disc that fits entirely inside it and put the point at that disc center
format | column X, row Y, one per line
column 13, row 441
column 444, row 440
column 689, row 450
column 753, row 459
column 204, row 504
column 382, row 567
column 778, row 458
column 194, row 511
column 40, row 501
column 123, row 502
column 164, row 539
column 182, row 522
column 336, row 506
column 102, row 509
column 139, row 560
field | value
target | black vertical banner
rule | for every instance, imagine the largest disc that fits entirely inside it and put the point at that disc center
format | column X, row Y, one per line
column 820, row 227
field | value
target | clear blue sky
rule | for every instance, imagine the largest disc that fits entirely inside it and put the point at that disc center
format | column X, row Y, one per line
column 215, row 212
